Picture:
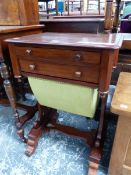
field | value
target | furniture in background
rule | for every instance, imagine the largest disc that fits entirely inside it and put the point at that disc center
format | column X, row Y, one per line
column 125, row 26
column 48, row 10
column 124, row 60
column 91, row 2
column 19, row 12
column 79, row 17
column 74, row 25
column 120, row 162
column 7, row 32
column 17, row 18
column 69, row 4
column 84, row 60
column 116, row 16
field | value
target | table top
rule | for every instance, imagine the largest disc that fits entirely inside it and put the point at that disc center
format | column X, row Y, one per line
column 10, row 29
column 106, row 41
column 121, row 103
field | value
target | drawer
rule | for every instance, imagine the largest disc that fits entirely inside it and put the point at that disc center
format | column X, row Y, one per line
column 59, row 55
column 89, row 73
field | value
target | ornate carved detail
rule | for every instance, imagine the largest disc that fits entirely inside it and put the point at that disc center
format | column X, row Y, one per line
column 19, row 121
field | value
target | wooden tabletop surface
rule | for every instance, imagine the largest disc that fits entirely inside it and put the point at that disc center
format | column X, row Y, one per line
column 9, row 29
column 121, row 103
column 107, row 41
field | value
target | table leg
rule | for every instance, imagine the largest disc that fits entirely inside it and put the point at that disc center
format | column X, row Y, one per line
column 96, row 151
column 19, row 121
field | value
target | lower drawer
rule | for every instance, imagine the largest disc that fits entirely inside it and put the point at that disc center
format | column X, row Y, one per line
column 88, row 73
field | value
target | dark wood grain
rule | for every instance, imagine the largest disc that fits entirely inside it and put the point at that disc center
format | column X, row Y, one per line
column 19, row 12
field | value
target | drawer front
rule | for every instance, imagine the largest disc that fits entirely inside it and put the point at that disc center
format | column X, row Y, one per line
column 75, row 57
column 89, row 73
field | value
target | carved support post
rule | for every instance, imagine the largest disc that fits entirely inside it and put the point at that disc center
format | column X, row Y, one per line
column 108, row 15
column 95, row 154
column 116, row 16
column 103, row 96
column 11, row 96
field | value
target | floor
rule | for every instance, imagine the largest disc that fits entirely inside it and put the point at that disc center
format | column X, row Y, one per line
column 57, row 153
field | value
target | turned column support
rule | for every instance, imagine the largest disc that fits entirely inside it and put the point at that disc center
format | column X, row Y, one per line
column 11, row 96
column 116, row 16
column 108, row 15
column 96, row 151
column 103, row 96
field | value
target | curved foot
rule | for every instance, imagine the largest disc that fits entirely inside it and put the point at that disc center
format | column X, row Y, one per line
column 93, row 168
column 94, row 160
column 33, row 138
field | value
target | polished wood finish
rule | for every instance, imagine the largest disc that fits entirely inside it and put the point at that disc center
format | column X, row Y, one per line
column 73, row 58
column 90, row 73
column 15, row 31
column 19, row 12
column 64, row 56
column 120, row 162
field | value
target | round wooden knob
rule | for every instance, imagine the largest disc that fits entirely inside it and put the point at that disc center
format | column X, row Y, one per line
column 77, row 74
column 28, row 51
column 77, row 57
column 32, row 67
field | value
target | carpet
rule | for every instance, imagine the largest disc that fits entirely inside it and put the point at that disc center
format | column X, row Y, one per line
column 56, row 154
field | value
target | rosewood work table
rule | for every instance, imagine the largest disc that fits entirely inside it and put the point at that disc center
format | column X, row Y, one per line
column 76, row 58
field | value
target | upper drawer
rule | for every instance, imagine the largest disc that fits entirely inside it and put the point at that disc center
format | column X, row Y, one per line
column 59, row 55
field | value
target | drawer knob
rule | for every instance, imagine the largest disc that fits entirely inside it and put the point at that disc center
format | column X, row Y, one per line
column 77, row 57
column 32, row 67
column 28, row 51
column 77, row 74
